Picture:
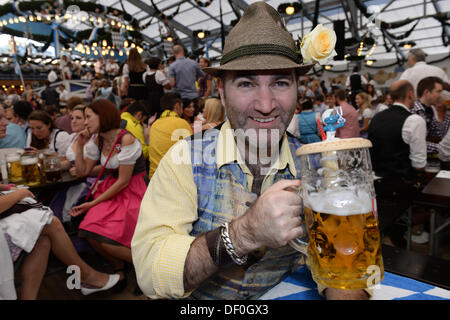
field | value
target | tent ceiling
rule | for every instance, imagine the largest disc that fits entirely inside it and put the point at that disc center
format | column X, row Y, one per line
column 426, row 35
column 190, row 17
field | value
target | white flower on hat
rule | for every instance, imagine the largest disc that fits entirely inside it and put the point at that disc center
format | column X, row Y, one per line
column 318, row 45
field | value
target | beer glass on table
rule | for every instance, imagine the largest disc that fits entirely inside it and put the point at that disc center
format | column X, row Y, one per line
column 52, row 167
column 14, row 167
column 344, row 247
column 31, row 169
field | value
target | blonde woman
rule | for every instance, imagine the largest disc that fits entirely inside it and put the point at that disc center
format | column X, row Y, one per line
column 365, row 112
column 214, row 113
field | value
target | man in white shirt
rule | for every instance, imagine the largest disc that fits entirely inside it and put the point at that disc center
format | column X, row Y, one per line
column 419, row 69
column 52, row 76
column 112, row 68
column 444, row 148
column 99, row 67
column 399, row 156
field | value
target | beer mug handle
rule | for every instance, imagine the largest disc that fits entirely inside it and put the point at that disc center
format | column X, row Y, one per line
column 301, row 244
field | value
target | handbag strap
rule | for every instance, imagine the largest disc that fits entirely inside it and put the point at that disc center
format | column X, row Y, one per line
column 104, row 166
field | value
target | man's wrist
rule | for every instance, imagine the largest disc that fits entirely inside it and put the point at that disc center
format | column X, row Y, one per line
column 241, row 237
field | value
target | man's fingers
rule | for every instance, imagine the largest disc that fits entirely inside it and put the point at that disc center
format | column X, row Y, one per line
column 285, row 184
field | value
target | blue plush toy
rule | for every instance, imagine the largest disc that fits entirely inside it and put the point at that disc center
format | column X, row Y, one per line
column 334, row 121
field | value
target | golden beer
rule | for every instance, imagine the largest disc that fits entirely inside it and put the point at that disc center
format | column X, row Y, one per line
column 30, row 171
column 14, row 168
column 344, row 250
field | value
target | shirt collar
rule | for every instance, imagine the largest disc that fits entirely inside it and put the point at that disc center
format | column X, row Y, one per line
column 402, row 105
column 169, row 113
column 128, row 115
column 227, row 152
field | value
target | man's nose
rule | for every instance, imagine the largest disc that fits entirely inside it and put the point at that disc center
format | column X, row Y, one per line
column 264, row 100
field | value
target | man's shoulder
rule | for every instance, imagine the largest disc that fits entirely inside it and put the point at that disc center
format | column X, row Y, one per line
column 15, row 128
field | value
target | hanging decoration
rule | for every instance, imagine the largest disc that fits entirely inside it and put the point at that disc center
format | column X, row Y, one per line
column 160, row 14
column 405, row 35
column 203, row 4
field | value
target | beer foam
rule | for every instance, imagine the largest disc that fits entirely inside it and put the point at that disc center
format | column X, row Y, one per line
column 340, row 202
column 12, row 157
column 28, row 161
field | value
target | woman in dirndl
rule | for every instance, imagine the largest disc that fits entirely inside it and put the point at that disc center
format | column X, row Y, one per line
column 110, row 218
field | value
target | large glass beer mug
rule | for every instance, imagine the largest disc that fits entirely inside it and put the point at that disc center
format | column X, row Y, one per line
column 14, row 167
column 344, row 249
column 31, row 169
column 52, row 167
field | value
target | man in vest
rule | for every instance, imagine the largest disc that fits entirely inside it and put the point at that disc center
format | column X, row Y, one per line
column 219, row 211
column 429, row 91
column 399, row 156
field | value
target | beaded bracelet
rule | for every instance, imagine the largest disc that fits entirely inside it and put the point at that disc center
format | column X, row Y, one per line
column 8, row 187
column 229, row 246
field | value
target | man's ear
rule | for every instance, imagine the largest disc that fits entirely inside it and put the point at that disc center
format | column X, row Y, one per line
column 221, row 88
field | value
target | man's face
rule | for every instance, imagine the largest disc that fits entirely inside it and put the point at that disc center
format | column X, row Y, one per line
column 3, row 123
column 11, row 116
column 330, row 101
column 411, row 60
column 260, row 100
column 434, row 96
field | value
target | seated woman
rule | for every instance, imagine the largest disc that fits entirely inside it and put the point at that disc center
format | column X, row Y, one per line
column 77, row 124
column 44, row 135
column 111, row 217
column 37, row 231
column 189, row 112
column 64, row 199
column 214, row 113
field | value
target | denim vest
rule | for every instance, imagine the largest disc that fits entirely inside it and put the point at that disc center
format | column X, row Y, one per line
column 222, row 196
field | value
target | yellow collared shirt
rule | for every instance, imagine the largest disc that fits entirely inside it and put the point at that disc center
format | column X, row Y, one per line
column 169, row 208
column 135, row 127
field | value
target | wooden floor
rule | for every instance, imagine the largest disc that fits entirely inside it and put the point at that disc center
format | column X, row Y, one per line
column 54, row 284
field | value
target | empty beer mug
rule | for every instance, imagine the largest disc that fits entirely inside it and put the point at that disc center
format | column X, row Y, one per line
column 343, row 249
column 14, row 168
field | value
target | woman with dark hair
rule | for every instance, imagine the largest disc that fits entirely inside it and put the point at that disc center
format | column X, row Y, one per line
column 307, row 124
column 133, row 71
column 189, row 112
column 111, row 217
column 44, row 135
column 205, row 82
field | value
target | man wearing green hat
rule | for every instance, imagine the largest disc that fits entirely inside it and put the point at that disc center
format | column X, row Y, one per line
column 219, row 211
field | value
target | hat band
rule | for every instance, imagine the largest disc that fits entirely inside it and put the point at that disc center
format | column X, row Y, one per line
column 260, row 49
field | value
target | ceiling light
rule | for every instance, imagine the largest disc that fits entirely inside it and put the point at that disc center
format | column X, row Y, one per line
column 201, row 34
column 370, row 62
column 407, row 44
column 328, row 67
column 289, row 8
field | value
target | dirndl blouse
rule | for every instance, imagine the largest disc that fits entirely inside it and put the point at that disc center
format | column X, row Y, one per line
column 128, row 154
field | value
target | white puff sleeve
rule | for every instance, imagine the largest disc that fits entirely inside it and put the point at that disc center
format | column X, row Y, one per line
column 129, row 154
column 91, row 150
column 62, row 142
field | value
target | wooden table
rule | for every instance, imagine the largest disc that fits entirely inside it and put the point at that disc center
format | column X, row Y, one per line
column 436, row 195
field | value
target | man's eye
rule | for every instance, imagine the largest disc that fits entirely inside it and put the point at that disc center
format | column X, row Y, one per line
column 245, row 84
column 282, row 83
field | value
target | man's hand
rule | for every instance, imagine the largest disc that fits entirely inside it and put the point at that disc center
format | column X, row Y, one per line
column 272, row 221
column 340, row 294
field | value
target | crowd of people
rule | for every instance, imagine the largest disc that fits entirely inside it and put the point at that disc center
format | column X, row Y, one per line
column 140, row 206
